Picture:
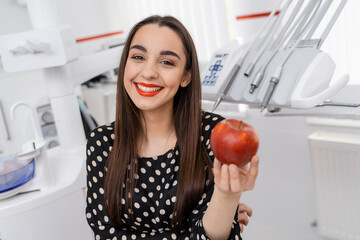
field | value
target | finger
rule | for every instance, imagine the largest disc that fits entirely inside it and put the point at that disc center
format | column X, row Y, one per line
column 245, row 167
column 243, row 218
column 242, row 171
column 254, row 165
column 241, row 228
column 235, row 181
column 217, row 170
column 253, row 172
column 217, row 164
column 245, row 208
column 224, row 180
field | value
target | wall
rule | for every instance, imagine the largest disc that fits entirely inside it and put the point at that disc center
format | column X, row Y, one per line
column 205, row 19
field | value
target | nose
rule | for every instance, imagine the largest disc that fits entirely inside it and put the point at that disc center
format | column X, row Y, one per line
column 149, row 70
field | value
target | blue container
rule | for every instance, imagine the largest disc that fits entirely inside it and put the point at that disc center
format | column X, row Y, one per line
column 18, row 176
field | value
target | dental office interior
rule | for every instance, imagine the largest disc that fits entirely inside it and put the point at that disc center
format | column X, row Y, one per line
column 288, row 68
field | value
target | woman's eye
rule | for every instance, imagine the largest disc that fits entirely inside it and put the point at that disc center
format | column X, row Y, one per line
column 137, row 57
column 167, row 62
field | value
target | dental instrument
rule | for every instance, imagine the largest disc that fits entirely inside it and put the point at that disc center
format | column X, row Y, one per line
column 278, row 44
column 229, row 81
column 286, row 26
column 276, row 76
column 267, row 40
column 308, row 71
column 332, row 22
column 301, row 18
column 307, row 23
column 234, row 71
column 321, row 15
column 302, row 25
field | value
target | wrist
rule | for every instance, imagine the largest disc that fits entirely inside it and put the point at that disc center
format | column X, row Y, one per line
column 222, row 206
column 226, row 196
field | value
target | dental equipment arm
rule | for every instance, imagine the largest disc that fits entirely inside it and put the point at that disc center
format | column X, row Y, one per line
column 277, row 74
column 34, row 121
column 279, row 39
column 306, row 14
column 267, row 40
column 321, row 15
column 332, row 22
column 330, row 91
column 2, row 113
column 109, row 59
column 278, row 43
column 306, row 71
column 296, row 24
column 231, row 77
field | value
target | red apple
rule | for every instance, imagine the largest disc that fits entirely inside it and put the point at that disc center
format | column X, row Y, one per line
column 234, row 142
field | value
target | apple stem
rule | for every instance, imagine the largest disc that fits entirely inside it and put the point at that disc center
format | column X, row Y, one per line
column 241, row 122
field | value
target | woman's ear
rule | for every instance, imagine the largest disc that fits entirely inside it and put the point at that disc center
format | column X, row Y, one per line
column 186, row 79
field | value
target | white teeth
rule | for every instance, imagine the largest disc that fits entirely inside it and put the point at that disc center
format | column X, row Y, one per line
column 148, row 89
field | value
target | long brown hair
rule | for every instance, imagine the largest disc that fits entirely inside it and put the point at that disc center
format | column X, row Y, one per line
column 195, row 164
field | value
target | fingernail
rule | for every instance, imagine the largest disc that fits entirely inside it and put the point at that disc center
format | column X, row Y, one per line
column 233, row 170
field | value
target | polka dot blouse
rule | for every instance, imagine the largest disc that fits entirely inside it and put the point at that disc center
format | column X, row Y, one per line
column 155, row 192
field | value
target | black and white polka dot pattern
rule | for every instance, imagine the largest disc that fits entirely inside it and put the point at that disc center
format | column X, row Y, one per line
column 155, row 192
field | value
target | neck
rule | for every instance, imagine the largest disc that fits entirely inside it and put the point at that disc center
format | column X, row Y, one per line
column 159, row 133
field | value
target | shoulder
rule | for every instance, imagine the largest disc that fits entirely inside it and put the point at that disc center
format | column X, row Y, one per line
column 101, row 133
column 100, row 141
column 209, row 121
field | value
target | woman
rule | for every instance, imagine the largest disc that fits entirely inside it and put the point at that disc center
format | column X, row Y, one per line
column 151, row 173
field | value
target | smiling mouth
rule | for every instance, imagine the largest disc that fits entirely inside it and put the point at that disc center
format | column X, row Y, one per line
column 147, row 90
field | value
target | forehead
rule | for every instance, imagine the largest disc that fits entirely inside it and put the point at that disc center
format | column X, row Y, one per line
column 154, row 37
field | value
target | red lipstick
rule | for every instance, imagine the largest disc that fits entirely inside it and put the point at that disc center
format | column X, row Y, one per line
column 147, row 92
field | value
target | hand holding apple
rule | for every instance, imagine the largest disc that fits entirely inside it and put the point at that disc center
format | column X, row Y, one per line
column 231, row 180
column 234, row 142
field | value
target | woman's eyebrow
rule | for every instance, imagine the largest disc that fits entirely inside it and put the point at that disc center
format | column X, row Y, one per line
column 168, row 52
column 164, row 52
column 139, row 47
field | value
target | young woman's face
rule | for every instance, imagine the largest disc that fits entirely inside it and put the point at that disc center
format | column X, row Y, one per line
column 155, row 67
